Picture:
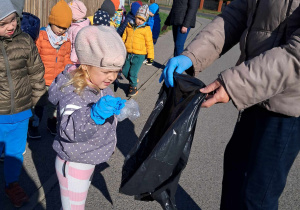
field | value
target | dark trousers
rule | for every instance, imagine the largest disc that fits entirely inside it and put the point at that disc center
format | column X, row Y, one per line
column 258, row 158
column 179, row 39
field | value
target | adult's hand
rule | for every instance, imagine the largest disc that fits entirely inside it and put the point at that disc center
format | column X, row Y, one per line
column 220, row 95
column 179, row 64
column 164, row 28
column 184, row 30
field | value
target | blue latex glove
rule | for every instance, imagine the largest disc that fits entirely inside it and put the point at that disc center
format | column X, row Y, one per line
column 179, row 64
column 106, row 107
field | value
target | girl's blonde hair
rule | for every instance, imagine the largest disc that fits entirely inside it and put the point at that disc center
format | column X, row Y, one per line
column 80, row 79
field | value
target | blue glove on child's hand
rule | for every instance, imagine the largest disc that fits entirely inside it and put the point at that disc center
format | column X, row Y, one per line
column 106, row 107
column 180, row 64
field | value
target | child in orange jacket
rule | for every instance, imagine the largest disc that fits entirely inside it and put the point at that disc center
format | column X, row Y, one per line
column 55, row 48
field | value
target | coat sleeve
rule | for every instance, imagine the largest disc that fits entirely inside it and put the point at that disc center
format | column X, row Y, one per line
column 124, row 36
column 273, row 72
column 36, row 73
column 218, row 36
column 38, row 43
column 190, row 15
column 156, row 27
column 67, row 59
column 123, row 25
column 77, row 124
column 149, row 42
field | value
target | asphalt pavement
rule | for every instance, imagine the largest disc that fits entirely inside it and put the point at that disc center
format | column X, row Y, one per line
column 200, row 183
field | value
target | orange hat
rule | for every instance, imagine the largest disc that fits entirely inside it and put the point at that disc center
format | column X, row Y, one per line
column 61, row 15
column 116, row 3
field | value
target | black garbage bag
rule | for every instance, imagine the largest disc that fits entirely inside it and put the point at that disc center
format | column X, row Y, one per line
column 153, row 167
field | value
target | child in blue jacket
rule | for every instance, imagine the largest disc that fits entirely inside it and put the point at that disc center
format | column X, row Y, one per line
column 154, row 21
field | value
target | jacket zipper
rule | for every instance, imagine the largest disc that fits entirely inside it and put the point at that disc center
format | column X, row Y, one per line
column 11, row 87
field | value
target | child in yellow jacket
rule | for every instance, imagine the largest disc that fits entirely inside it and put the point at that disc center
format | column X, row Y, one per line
column 139, row 43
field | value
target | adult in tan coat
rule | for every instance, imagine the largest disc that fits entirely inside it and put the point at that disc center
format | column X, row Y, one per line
column 264, row 85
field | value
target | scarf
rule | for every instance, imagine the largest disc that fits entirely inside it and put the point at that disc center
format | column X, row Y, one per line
column 56, row 41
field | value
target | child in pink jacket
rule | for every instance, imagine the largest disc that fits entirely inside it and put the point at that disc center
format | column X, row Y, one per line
column 79, row 21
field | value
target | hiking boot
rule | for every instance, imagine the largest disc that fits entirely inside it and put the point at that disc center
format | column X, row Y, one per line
column 51, row 125
column 132, row 91
column 33, row 132
column 16, row 194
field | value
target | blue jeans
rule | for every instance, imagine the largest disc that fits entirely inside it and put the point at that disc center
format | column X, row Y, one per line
column 179, row 39
column 13, row 138
column 258, row 158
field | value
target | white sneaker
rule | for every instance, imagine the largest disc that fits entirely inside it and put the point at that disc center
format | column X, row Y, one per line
column 145, row 61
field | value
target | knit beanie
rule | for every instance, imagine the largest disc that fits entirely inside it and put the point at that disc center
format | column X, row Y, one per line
column 143, row 12
column 108, row 7
column 6, row 9
column 101, row 18
column 100, row 46
column 19, row 5
column 78, row 9
column 154, row 8
column 134, row 7
column 61, row 15
column 116, row 3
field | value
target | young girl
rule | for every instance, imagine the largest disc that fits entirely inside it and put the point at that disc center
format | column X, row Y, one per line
column 55, row 48
column 86, row 109
column 22, row 84
column 139, row 43
column 78, row 22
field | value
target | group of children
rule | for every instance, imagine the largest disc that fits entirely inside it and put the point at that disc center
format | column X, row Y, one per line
column 67, row 69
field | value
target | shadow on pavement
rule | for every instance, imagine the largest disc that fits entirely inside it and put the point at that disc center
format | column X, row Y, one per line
column 126, row 136
column 25, row 182
column 184, row 201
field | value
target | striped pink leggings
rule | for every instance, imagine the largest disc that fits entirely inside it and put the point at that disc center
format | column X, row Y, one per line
column 74, row 181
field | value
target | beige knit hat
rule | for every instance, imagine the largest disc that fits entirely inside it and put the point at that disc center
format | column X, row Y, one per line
column 100, row 46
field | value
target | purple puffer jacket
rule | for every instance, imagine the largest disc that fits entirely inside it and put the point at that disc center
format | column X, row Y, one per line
column 79, row 138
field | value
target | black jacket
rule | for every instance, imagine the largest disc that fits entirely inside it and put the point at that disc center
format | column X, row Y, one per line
column 183, row 13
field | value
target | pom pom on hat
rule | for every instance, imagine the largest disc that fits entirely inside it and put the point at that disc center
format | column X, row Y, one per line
column 100, row 46
column 78, row 9
column 61, row 15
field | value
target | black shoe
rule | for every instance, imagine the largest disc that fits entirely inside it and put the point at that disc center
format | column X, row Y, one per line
column 51, row 125
column 33, row 132
column 132, row 91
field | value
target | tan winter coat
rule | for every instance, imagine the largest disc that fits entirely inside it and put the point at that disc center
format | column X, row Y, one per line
column 268, row 71
column 21, row 73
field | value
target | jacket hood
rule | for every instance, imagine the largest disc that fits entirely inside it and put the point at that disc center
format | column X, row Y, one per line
column 134, row 8
column 154, row 8
column 31, row 25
